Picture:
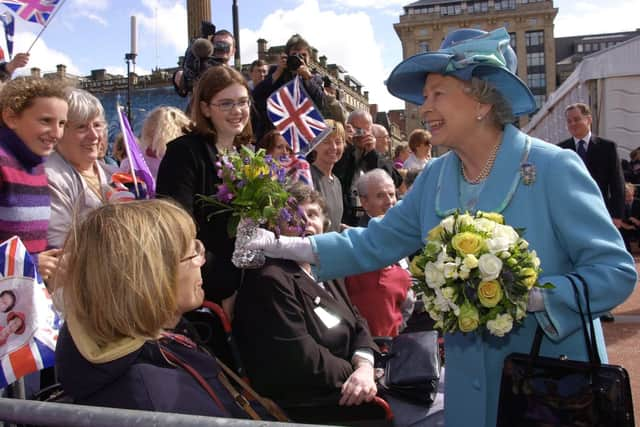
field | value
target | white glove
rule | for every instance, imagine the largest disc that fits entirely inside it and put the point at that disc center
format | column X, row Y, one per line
column 536, row 300
column 286, row 247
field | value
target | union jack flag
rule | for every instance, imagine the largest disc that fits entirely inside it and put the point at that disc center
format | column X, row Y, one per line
column 9, row 27
column 37, row 11
column 297, row 168
column 293, row 114
column 28, row 345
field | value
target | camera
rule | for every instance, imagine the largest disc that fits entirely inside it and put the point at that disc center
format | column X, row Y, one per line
column 294, row 62
column 359, row 132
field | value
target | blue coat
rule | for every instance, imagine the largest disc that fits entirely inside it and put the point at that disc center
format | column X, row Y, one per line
column 566, row 222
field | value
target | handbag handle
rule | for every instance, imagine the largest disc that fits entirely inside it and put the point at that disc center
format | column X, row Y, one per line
column 589, row 335
column 588, row 331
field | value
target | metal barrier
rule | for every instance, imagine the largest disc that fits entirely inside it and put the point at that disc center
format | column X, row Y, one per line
column 69, row 415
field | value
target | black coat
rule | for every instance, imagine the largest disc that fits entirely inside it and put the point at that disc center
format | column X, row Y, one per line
column 345, row 169
column 288, row 352
column 186, row 171
column 605, row 168
column 143, row 380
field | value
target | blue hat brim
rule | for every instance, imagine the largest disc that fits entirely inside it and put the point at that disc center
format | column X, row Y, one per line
column 407, row 80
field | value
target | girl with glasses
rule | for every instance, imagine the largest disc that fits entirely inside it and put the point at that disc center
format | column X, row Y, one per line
column 220, row 110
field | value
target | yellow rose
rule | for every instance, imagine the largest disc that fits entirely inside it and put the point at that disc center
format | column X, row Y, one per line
column 529, row 277
column 493, row 216
column 467, row 243
column 435, row 233
column 489, row 293
column 469, row 319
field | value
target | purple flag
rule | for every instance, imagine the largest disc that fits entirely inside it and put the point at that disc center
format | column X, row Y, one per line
column 137, row 163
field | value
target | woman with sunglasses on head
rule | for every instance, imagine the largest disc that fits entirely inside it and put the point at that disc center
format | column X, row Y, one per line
column 131, row 271
column 220, row 109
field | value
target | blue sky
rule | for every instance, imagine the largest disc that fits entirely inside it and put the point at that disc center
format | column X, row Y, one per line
column 357, row 34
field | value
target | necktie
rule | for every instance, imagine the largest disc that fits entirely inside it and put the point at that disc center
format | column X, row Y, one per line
column 582, row 151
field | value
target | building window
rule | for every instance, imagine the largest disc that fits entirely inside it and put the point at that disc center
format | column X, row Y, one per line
column 451, row 9
column 512, row 41
column 579, row 48
column 478, row 7
column 423, row 47
column 504, row 4
column 423, row 32
column 534, row 38
column 540, row 100
column 587, row 47
column 535, row 59
column 536, row 80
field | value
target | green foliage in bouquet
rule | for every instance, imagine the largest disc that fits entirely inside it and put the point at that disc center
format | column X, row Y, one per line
column 476, row 273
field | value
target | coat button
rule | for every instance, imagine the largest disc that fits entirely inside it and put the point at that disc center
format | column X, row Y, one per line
column 476, row 384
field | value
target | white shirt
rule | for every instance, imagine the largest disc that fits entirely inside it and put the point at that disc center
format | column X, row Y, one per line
column 586, row 139
column 413, row 162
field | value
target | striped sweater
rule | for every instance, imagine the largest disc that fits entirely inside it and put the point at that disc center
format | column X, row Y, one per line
column 25, row 205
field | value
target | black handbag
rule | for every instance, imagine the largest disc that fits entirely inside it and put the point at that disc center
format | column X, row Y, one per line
column 543, row 391
column 412, row 367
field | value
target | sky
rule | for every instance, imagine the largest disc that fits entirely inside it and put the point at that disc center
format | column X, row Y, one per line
column 357, row 34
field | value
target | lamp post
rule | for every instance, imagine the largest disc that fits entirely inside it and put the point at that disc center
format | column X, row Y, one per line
column 236, row 33
column 131, row 58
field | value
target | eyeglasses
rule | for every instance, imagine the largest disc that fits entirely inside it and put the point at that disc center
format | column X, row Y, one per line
column 83, row 128
column 228, row 105
column 198, row 258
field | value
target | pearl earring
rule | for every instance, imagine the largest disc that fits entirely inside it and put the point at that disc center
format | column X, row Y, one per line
column 479, row 117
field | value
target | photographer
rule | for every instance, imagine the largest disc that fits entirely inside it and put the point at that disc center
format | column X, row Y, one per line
column 293, row 62
column 211, row 49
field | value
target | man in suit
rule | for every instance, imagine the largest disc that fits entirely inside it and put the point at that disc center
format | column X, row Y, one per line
column 601, row 158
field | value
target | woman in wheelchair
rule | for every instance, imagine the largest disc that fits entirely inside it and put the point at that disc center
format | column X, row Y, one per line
column 130, row 271
column 300, row 339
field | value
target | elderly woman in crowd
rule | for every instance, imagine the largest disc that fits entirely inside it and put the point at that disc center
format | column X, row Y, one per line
column 132, row 271
column 469, row 96
column 327, row 154
column 76, row 177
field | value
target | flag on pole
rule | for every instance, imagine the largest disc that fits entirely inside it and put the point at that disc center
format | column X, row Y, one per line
column 29, row 324
column 36, row 11
column 294, row 115
column 9, row 27
column 138, row 165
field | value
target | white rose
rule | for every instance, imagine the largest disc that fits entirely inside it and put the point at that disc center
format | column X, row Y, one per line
column 464, row 272
column 535, row 259
column 433, row 276
column 449, row 293
column 484, row 225
column 465, row 220
column 502, row 324
column 450, row 270
column 506, row 232
column 497, row 244
column 448, row 223
column 490, row 266
column 470, row 262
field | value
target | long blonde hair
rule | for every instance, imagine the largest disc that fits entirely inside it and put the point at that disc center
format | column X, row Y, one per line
column 162, row 125
column 121, row 268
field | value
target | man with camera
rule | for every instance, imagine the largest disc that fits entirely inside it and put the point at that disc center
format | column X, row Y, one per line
column 211, row 49
column 293, row 62
column 358, row 158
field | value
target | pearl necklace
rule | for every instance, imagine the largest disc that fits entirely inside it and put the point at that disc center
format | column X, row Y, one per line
column 484, row 173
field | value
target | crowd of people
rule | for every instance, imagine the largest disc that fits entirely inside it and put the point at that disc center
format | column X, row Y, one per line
column 305, row 321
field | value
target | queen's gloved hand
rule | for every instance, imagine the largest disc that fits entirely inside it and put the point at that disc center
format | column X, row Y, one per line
column 294, row 248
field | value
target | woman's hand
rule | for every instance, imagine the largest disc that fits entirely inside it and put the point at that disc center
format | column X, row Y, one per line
column 360, row 386
column 48, row 263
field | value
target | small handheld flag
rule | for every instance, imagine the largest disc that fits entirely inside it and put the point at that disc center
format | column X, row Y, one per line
column 294, row 115
column 137, row 163
column 29, row 324
column 9, row 28
column 36, row 11
column 297, row 169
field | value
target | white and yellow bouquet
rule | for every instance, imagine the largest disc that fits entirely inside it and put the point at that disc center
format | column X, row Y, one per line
column 476, row 273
